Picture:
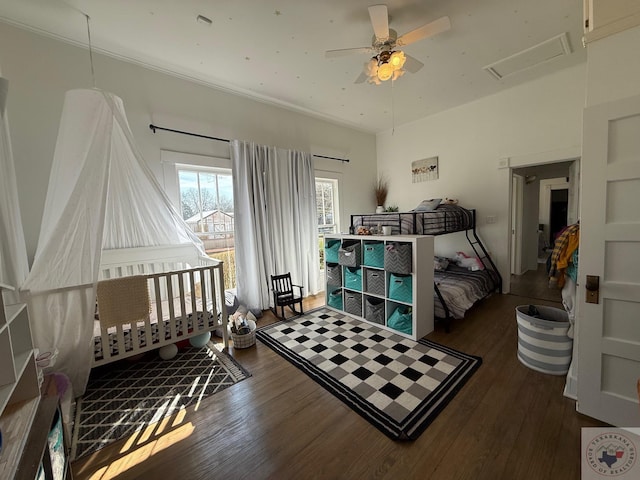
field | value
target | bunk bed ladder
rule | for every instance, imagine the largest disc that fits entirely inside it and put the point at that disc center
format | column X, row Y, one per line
column 478, row 247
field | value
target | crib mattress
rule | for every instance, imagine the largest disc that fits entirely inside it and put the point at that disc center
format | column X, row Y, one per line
column 204, row 319
column 461, row 288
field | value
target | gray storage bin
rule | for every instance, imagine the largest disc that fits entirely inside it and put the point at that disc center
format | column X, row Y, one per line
column 353, row 303
column 350, row 253
column 543, row 344
column 334, row 274
column 375, row 282
column 374, row 310
column 398, row 258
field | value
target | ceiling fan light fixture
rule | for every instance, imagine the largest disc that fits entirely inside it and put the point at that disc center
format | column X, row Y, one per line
column 397, row 59
column 397, row 74
column 385, row 71
column 386, row 65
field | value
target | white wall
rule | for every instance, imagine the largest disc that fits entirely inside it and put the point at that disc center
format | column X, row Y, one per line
column 534, row 123
column 40, row 70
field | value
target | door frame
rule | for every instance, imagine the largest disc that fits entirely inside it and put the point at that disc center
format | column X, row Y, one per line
column 550, row 157
column 517, row 212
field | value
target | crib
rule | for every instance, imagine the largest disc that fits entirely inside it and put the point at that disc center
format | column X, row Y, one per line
column 186, row 295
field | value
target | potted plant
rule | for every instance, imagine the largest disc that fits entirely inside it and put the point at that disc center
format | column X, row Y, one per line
column 380, row 190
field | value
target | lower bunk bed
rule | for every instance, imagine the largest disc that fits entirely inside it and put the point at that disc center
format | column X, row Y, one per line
column 457, row 289
column 150, row 297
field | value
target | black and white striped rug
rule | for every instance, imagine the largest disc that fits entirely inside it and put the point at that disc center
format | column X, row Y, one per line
column 123, row 399
column 397, row 384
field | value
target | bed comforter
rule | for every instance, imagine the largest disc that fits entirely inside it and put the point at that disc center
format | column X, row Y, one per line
column 461, row 288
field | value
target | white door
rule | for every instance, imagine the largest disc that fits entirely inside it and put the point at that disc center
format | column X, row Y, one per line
column 609, row 331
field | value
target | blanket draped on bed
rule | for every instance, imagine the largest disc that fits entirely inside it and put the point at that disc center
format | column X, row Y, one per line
column 123, row 300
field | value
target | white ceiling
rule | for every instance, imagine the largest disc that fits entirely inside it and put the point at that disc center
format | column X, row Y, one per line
column 273, row 50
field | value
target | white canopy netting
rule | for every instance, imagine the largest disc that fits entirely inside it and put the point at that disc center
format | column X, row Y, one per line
column 14, row 265
column 101, row 195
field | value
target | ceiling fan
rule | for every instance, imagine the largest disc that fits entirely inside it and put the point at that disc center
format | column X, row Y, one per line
column 388, row 62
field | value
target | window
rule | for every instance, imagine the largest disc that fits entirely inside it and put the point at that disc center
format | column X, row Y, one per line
column 326, row 194
column 327, row 211
column 202, row 194
column 206, row 204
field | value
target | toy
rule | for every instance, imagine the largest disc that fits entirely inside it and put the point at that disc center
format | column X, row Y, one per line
column 201, row 340
column 168, row 351
column 472, row 263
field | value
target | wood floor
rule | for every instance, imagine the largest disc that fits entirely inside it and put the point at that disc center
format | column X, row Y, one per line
column 507, row 422
column 535, row 284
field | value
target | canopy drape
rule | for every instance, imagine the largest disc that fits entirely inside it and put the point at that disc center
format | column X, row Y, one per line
column 276, row 229
column 14, row 265
column 101, row 195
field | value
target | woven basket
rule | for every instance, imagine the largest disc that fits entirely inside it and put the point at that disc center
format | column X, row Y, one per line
column 247, row 340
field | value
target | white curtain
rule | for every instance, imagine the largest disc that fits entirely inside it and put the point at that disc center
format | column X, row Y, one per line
column 276, row 229
column 14, row 265
column 101, row 195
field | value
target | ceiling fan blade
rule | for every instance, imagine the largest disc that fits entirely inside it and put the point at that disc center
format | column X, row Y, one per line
column 425, row 31
column 347, row 51
column 380, row 21
column 412, row 64
column 361, row 78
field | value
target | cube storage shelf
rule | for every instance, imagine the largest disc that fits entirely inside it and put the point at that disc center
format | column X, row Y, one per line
column 19, row 385
column 358, row 283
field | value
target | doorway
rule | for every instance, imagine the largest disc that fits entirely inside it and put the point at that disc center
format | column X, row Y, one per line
column 558, row 212
column 542, row 211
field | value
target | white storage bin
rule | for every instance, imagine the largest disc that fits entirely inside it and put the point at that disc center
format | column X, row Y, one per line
column 543, row 344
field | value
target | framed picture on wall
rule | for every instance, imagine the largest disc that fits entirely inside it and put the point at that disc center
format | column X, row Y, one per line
column 424, row 170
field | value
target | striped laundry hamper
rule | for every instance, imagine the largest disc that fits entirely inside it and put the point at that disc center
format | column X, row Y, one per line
column 543, row 344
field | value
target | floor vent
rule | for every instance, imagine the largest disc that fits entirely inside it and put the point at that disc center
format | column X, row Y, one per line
column 543, row 52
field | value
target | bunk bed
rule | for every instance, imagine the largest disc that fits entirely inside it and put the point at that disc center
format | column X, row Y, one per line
column 456, row 288
column 186, row 298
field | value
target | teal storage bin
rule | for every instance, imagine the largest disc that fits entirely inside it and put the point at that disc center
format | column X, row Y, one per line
column 331, row 248
column 401, row 320
column 401, row 288
column 353, row 278
column 335, row 299
column 374, row 254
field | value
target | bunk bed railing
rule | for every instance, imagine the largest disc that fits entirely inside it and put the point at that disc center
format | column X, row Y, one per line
column 482, row 253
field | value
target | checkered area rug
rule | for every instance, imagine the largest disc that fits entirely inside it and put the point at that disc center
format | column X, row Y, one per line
column 397, row 384
column 125, row 397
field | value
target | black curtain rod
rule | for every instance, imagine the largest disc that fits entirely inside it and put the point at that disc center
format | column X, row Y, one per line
column 155, row 127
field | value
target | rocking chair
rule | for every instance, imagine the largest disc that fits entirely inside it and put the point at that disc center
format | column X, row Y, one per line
column 284, row 296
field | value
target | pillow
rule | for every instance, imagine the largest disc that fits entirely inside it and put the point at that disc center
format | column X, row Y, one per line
column 440, row 263
column 428, row 205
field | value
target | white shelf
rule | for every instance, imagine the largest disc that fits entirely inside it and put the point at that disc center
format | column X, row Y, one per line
column 421, row 303
column 16, row 423
column 19, row 387
column 12, row 311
